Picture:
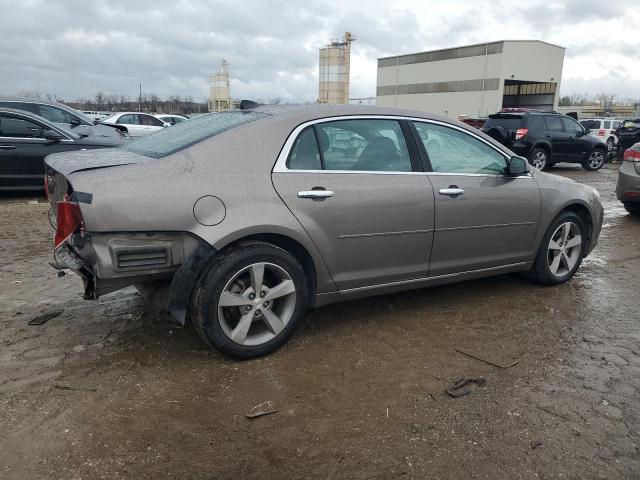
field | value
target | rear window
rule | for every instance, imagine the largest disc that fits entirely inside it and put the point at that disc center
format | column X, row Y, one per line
column 171, row 140
column 590, row 124
column 510, row 122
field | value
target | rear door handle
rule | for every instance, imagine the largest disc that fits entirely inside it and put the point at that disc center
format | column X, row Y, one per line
column 315, row 194
column 452, row 191
column 7, row 147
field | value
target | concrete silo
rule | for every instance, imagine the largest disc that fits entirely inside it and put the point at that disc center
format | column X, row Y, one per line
column 219, row 90
column 334, row 71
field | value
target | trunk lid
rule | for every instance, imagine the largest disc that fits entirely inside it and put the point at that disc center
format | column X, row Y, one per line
column 70, row 162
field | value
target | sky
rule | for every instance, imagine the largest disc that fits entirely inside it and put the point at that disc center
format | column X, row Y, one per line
column 73, row 48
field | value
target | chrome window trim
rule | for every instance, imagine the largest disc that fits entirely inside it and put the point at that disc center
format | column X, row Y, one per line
column 281, row 162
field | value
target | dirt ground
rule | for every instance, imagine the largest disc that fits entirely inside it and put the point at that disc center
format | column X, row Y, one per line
column 114, row 390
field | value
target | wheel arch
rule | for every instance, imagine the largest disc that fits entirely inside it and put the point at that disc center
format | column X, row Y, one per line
column 584, row 213
column 545, row 146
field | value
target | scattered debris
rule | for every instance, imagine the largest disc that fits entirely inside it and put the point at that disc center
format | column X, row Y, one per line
column 490, row 362
column 432, row 397
column 265, row 408
column 44, row 317
column 79, row 348
column 536, row 444
column 122, row 375
column 71, row 387
column 456, row 389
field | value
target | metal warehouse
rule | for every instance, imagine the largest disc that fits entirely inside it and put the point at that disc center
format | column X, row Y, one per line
column 473, row 80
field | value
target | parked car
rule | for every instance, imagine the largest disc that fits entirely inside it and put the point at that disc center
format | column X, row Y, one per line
column 172, row 119
column 546, row 138
column 628, row 187
column 628, row 133
column 243, row 220
column 96, row 116
column 64, row 116
column 604, row 128
column 25, row 139
column 137, row 124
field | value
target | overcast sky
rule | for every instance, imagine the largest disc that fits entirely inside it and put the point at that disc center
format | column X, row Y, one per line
column 73, row 48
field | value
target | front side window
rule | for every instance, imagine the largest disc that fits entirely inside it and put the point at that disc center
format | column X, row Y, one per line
column 453, row 151
column 149, row 121
column 553, row 123
column 55, row 115
column 18, row 128
column 571, row 126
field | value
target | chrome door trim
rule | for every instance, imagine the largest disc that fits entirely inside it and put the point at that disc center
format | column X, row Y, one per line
column 476, row 227
column 281, row 162
column 382, row 234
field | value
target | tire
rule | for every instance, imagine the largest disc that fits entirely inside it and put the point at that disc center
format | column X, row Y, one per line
column 632, row 208
column 610, row 145
column 595, row 161
column 543, row 266
column 250, row 325
column 539, row 159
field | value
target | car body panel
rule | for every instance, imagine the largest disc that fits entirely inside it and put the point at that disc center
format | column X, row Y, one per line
column 237, row 167
column 137, row 124
column 628, row 186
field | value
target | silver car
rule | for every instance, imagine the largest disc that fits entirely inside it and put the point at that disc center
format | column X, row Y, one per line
column 239, row 222
column 628, row 187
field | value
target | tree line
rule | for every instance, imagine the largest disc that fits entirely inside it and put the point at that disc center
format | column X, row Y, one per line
column 605, row 100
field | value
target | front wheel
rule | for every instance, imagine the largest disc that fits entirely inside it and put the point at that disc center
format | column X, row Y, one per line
column 610, row 144
column 595, row 160
column 250, row 300
column 561, row 251
column 632, row 208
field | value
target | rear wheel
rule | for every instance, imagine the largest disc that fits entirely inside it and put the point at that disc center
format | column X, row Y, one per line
column 561, row 250
column 595, row 160
column 610, row 144
column 250, row 300
column 632, row 208
column 539, row 159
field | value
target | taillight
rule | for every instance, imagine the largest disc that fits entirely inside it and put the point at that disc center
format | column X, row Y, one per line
column 601, row 132
column 521, row 132
column 631, row 155
column 69, row 219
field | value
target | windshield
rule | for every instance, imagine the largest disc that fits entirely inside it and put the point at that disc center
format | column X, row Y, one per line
column 187, row 133
column 66, row 129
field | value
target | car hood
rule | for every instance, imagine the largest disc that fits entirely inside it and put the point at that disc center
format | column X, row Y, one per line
column 67, row 163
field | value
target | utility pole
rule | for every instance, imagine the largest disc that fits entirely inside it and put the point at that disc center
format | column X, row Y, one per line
column 140, row 99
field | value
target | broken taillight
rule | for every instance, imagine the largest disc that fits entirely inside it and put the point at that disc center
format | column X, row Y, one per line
column 521, row 132
column 69, row 219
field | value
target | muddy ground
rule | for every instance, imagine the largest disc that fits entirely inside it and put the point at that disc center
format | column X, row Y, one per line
column 111, row 389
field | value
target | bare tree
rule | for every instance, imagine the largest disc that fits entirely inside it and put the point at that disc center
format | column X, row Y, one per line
column 606, row 100
column 99, row 100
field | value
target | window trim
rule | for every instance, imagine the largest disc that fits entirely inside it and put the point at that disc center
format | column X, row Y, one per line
column 280, row 165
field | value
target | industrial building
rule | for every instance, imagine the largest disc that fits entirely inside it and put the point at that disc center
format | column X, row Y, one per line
column 334, row 66
column 474, row 80
column 220, row 89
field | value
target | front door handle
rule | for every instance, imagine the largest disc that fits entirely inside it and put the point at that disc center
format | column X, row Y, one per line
column 315, row 194
column 7, row 147
column 452, row 191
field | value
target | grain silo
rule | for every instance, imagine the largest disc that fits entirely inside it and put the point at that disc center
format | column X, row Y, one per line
column 334, row 71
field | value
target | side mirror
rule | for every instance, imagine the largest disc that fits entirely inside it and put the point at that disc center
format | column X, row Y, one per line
column 517, row 166
column 166, row 124
column 74, row 122
column 52, row 135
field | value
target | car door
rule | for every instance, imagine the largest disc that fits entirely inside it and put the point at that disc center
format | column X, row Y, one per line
column 361, row 198
column 483, row 217
column 558, row 138
column 22, row 151
column 579, row 141
column 130, row 120
column 149, row 124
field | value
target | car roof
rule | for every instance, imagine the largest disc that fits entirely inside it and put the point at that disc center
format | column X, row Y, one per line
column 43, row 102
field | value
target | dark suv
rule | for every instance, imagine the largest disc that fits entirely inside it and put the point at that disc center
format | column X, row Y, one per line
column 628, row 133
column 546, row 138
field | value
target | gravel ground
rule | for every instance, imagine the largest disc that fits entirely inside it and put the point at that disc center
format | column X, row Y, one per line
column 113, row 389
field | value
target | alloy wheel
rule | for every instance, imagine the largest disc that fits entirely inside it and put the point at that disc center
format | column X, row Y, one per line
column 565, row 248
column 256, row 304
column 610, row 144
column 539, row 160
column 596, row 159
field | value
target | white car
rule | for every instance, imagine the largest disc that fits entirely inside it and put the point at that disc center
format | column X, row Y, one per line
column 137, row 124
column 171, row 118
column 604, row 128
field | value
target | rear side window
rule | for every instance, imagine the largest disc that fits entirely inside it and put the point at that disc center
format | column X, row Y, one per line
column 553, row 123
column 171, row 140
column 536, row 122
column 305, row 154
column 607, row 124
column 128, row 119
column 149, row 121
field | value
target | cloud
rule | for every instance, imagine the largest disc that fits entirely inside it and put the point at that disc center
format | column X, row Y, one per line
column 75, row 48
